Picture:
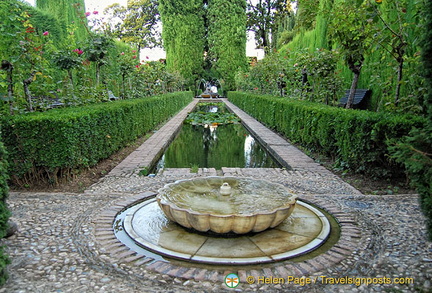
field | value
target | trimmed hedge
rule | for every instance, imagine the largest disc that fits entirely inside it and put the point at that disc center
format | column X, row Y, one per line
column 52, row 144
column 357, row 140
column 4, row 212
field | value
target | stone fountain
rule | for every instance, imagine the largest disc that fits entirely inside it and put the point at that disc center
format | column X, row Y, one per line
column 226, row 204
column 223, row 220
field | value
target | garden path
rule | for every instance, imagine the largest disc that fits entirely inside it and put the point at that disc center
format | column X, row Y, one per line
column 65, row 241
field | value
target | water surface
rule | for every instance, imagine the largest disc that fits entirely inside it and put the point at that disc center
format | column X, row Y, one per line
column 215, row 146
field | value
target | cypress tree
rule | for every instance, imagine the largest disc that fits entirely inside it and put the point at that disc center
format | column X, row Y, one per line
column 227, row 39
column 192, row 27
column 183, row 37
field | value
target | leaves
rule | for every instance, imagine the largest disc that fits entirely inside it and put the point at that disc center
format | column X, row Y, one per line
column 357, row 139
column 206, row 118
column 138, row 23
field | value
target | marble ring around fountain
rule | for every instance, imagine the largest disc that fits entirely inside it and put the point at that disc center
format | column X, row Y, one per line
column 226, row 204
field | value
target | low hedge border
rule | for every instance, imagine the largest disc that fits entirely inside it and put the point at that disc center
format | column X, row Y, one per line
column 357, row 140
column 50, row 145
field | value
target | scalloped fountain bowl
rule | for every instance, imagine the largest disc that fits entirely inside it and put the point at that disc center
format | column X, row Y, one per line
column 226, row 204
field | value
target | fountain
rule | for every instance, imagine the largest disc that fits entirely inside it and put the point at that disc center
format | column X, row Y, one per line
column 226, row 204
column 211, row 89
column 223, row 221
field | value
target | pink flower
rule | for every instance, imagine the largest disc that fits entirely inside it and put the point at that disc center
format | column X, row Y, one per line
column 78, row 51
column 137, row 66
column 134, row 57
column 122, row 53
column 46, row 33
column 87, row 13
column 95, row 12
column 133, row 51
column 147, row 57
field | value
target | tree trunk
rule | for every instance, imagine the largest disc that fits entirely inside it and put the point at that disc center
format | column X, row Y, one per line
column 26, row 83
column 399, row 80
column 353, row 88
column 71, row 79
column 123, row 96
column 97, row 74
column 6, row 65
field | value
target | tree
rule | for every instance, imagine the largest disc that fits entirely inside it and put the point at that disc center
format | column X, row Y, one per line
column 264, row 17
column 138, row 23
column 415, row 152
column 183, row 33
column 350, row 30
column 394, row 33
column 97, row 50
column 227, row 39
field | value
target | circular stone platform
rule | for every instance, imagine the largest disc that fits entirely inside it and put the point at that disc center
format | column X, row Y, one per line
column 305, row 230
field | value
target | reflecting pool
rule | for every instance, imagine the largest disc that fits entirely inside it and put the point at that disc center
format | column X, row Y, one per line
column 215, row 146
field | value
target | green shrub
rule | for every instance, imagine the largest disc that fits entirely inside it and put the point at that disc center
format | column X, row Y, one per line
column 4, row 212
column 415, row 150
column 50, row 145
column 357, row 140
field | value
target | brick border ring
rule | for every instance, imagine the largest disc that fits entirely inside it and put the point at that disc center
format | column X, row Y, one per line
column 115, row 252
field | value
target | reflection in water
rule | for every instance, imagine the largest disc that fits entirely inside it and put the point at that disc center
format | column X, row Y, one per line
column 213, row 146
column 248, row 146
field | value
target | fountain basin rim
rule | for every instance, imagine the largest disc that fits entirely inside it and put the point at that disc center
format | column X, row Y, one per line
column 239, row 223
column 163, row 200
column 192, row 212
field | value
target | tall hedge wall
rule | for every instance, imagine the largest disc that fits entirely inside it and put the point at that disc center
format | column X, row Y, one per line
column 67, row 12
column 50, row 144
column 356, row 139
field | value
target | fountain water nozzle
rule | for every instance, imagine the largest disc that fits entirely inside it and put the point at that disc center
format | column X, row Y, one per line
column 225, row 189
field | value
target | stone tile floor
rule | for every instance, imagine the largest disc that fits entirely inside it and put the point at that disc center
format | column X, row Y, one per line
column 56, row 249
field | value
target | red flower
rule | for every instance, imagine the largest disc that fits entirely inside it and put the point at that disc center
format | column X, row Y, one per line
column 78, row 51
column 134, row 57
column 46, row 33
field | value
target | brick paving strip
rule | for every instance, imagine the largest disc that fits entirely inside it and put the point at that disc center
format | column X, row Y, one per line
column 66, row 242
column 285, row 152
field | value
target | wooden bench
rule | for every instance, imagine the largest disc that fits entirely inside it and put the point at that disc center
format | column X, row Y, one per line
column 361, row 99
